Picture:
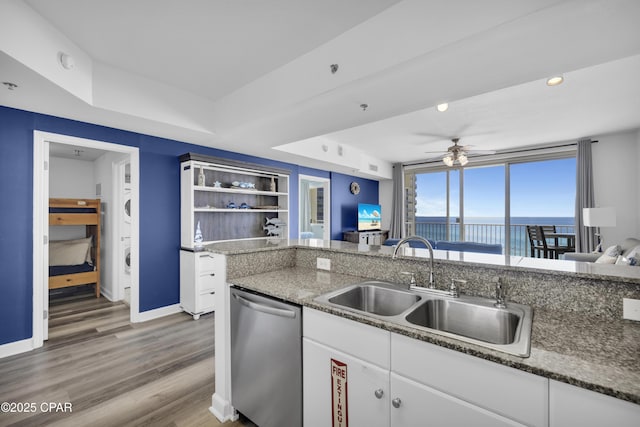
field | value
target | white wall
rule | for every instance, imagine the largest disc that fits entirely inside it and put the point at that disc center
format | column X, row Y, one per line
column 70, row 179
column 385, row 196
column 104, row 176
column 615, row 177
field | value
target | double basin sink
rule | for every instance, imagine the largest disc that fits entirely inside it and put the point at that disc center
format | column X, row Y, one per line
column 466, row 318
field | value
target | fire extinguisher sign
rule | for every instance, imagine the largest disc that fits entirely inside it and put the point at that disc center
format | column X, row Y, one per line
column 339, row 406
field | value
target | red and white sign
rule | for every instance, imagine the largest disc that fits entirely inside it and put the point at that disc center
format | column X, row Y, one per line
column 339, row 407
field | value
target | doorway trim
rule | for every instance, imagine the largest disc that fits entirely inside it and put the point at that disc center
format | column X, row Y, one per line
column 326, row 184
column 41, row 141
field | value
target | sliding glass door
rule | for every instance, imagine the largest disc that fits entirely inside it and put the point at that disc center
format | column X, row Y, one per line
column 492, row 203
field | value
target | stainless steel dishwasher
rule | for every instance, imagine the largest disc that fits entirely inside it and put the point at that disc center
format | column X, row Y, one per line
column 266, row 359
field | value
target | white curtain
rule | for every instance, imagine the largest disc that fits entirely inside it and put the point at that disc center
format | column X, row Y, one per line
column 305, row 206
column 397, row 212
column 585, row 236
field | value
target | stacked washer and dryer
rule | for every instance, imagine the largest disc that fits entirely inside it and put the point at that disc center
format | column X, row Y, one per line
column 125, row 233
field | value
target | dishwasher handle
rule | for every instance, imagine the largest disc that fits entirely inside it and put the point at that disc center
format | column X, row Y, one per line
column 265, row 308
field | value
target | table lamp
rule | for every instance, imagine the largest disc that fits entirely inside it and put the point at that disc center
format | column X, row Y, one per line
column 599, row 217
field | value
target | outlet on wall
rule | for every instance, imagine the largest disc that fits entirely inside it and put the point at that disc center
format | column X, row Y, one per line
column 630, row 309
column 323, row 263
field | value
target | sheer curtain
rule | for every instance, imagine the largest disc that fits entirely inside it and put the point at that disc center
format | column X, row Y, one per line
column 305, row 206
column 397, row 212
column 585, row 236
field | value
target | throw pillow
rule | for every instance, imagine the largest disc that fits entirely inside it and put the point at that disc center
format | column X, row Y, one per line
column 64, row 252
column 610, row 256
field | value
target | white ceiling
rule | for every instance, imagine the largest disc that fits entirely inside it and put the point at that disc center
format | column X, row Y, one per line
column 249, row 76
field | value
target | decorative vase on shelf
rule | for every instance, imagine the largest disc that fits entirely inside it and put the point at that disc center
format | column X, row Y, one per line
column 198, row 237
column 201, row 177
column 273, row 185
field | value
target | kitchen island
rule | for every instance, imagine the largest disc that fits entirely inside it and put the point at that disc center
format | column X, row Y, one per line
column 578, row 337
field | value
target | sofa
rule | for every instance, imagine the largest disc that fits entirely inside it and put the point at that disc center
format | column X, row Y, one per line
column 445, row 245
column 616, row 254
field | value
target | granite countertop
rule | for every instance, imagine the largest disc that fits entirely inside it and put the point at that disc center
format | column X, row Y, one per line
column 620, row 273
column 588, row 352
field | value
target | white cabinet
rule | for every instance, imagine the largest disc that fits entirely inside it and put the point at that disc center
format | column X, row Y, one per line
column 415, row 404
column 231, row 200
column 366, row 389
column 201, row 276
column 471, row 383
column 574, row 406
column 394, row 380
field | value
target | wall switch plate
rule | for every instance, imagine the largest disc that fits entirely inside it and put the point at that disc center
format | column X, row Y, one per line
column 630, row 308
column 323, row 263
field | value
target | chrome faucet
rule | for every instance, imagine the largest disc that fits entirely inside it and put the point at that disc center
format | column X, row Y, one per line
column 501, row 293
column 432, row 284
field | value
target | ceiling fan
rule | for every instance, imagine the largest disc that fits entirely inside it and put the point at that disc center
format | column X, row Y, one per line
column 459, row 153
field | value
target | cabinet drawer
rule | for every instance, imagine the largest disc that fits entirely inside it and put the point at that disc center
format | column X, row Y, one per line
column 206, row 302
column 207, row 282
column 363, row 341
column 206, row 262
column 507, row 391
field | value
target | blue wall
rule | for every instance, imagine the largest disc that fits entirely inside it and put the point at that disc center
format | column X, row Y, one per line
column 344, row 205
column 159, row 209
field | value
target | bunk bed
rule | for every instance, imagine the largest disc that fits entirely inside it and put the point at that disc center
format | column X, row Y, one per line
column 77, row 261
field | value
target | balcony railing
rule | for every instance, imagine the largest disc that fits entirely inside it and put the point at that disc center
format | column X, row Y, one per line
column 485, row 233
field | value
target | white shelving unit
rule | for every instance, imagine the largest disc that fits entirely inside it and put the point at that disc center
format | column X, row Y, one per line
column 209, row 204
column 201, row 272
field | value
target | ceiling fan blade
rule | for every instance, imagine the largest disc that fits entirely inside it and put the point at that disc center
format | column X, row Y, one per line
column 478, row 152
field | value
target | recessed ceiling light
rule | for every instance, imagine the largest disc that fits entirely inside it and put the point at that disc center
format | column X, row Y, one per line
column 555, row 80
column 442, row 107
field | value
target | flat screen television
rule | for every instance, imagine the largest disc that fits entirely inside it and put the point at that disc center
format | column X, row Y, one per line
column 369, row 217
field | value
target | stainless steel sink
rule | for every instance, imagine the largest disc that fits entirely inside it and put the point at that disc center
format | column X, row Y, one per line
column 377, row 298
column 470, row 319
column 487, row 324
column 476, row 320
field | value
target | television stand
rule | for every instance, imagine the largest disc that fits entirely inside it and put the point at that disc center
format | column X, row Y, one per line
column 366, row 237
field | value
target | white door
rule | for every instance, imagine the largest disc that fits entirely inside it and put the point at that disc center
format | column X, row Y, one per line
column 412, row 402
column 367, row 399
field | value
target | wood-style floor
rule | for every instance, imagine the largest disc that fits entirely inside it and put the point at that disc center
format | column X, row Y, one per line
column 112, row 372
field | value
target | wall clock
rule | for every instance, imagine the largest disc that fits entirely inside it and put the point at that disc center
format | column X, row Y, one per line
column 354, row 188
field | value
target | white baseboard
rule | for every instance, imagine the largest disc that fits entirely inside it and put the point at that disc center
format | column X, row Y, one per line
column 107, row 294
column 222, row 409
column 156, row 313
column 16, row 347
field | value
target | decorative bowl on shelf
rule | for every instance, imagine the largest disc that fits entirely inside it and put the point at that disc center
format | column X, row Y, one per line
column 244, row 206
column 231, row 205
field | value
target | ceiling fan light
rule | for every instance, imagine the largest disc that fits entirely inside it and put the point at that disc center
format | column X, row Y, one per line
column 462, row 158
column 448, row 160
column 442, row 107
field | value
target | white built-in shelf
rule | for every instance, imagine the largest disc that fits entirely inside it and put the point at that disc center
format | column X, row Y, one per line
column 239, row 191
column 237, row 210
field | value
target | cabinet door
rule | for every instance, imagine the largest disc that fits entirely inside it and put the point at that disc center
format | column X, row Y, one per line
column 414, row 404
column 573, row 406
column 366, row 386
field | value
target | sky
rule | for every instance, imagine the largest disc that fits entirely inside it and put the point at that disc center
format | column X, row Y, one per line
column 538, row 189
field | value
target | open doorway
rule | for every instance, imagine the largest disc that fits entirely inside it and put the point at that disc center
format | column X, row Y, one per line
column 314, row 209
column 77, row 168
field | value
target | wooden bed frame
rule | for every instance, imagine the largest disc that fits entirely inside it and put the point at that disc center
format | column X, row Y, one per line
column 91, row 221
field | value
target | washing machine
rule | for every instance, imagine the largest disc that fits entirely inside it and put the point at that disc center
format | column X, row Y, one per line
column 125, row 257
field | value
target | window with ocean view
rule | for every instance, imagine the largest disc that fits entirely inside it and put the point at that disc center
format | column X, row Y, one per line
column 472, row 204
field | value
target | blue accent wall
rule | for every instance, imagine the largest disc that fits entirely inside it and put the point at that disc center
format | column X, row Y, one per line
column 344, row 204
column 159, row 209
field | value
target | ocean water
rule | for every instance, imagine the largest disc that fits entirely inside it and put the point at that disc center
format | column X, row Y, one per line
column 490, row 229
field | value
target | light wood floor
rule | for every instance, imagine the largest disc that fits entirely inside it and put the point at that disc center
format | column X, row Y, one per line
column 157, row 373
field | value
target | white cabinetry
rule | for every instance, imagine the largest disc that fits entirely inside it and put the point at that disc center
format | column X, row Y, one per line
column 201, row 276
column 574, row 406
column 399, row 381
column 458, row 387
column 231, row 200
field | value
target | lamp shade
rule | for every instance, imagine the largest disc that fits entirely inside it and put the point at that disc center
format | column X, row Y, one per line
column 599, row 217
